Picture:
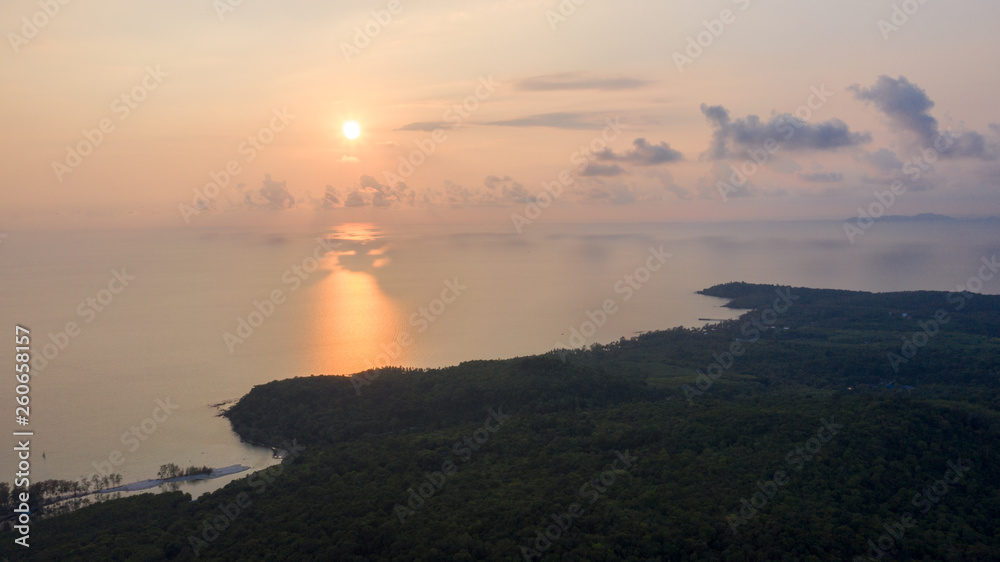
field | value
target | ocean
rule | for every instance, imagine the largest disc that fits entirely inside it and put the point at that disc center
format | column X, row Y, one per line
column 138, row 336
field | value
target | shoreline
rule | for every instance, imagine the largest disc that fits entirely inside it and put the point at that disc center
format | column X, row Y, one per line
column 154, row 482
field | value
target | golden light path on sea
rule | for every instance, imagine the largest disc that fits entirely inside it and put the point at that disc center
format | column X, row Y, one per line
column 355, row 322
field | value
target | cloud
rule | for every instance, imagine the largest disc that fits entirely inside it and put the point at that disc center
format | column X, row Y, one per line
column 644, row 154
column 456, row 195
column 601, row 170
column 385, row 195
column 506, row 189
column 381, row 200
column 578, row 81
column 272, row 195
column 623, row 196
column 721, row 184
column 782, row 165
column 667, row 181
column 904, row 103
column 560, row 120
column 727, row 182
column 331, row 199
column 615, row 195
column 884, row 160
column 426, row 126
column 499, row 190
column 886, row 167
column 349, row 159
column 970, row 144
column 787, row 130
column 370, row 182
column 822, row 177
column 496, row 182
column 355, row 199
column 496, row 190
column 370, row 193
column 908, row 108
column 718, row 116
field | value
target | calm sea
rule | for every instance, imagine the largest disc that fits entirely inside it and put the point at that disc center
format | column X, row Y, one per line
column 169, row 323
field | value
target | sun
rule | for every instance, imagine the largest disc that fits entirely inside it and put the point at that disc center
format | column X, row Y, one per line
column 352, row 130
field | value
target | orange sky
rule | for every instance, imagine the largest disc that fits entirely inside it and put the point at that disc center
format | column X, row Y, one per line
column 487, row 102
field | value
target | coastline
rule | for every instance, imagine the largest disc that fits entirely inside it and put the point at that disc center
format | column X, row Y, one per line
column 154, row 482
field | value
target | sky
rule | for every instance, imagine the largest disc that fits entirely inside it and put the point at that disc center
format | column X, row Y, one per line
column 231, row 112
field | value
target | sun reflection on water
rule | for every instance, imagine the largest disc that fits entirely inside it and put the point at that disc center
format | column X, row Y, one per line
column 355, row 322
